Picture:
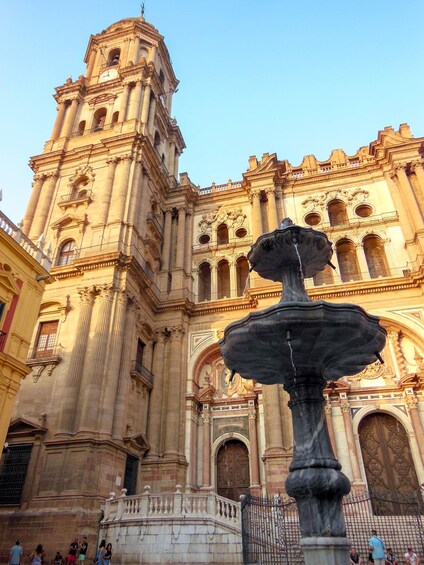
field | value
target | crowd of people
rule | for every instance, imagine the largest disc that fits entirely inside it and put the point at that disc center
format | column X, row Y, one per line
column 380, row 555
column 77, row 552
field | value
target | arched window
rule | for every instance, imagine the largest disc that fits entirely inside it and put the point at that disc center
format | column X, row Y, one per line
column 348, row 262
column 223, row 279
column 66, row 253
column 375, row 256
column 324, row 277
column 156, row 141
column 222, row 234
column 81, row 128
column 79, row 188
column 337, row 213
column 99, row 119
column 242, row 270
column 204, row 282
column 113, row 58
column 115, row 117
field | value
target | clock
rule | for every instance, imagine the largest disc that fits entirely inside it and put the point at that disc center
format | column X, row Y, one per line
column 109, row 74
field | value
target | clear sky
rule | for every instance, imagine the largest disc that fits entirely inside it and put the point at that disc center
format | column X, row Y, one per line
column 294, row 78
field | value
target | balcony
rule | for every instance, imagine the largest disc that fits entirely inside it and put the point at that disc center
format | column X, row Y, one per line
column 140, row 372
column 74, row 199
column 39, row 359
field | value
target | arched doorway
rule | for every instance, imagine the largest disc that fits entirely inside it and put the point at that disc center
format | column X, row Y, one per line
column 388, row 462
column 233, row 470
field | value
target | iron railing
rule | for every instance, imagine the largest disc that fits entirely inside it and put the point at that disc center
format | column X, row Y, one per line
column 271, row 532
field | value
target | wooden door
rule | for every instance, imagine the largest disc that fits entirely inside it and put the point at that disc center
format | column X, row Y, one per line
column 233, row 470
column 389, row 466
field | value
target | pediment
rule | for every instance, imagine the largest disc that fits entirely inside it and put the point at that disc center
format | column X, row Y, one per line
column 334, row 388
column 8, row 282
column 137, row 441
column 207, row 393
column 22, row 427
column 69, row 221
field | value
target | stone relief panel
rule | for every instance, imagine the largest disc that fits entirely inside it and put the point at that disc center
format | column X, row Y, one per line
column 222, row 426
column 319, row 201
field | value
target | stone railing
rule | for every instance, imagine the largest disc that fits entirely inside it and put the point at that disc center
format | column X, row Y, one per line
column 173, row 506
column 220, row 187
column 36, row 251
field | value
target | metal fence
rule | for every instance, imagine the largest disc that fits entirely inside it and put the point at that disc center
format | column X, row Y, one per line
column 271, row 533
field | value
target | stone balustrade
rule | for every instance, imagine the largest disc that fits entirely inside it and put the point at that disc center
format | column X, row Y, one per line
column 173, row 506
column 36, row 251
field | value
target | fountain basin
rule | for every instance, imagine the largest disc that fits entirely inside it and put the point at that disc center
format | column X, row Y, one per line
column 290, row 247
column 302, row 338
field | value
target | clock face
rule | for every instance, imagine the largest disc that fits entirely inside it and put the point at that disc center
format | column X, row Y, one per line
column 109, row 74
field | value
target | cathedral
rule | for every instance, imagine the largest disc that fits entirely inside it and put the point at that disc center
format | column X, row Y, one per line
column 128, row 388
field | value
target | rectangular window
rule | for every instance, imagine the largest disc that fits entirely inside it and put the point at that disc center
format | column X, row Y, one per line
column 13, row 469
column 46, row 339
column 140, row 354
column 131, row 473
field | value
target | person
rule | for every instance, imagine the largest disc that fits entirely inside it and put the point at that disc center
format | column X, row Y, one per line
column 83, row 549
column 107, row 555
column 16, row 553
column 376, row 547
column 37, row 555
column 100, row 552
column 411, row 558
column 58, row 560
column 354, row 557
column 391, row 557
column 72, row 554
column 370, row 557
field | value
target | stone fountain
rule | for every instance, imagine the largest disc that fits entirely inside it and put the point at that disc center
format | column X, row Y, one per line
column 303, row 344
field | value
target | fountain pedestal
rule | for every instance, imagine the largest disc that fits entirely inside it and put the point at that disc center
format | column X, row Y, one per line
column 302, row 345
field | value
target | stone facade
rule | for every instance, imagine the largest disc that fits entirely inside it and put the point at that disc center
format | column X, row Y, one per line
column 150, row 270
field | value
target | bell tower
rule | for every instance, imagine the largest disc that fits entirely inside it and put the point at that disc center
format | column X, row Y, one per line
column 107, row 201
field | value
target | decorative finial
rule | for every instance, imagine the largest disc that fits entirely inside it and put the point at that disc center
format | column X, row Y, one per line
column 142, row 9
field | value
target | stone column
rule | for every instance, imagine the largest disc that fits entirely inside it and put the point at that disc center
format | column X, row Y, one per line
column 411, row 402
column 120, row 415
column 72, row 386
column 256, row 218
column 37, row 186
column 152, row 113
column 418, row 169
column 135, row 50
column 166, row 250
column 120, row 190
column 106, row 192
column 362, row 261
column 254, row 452
column 133, row 111
column 91, row 62
column 233, row 278
column 46, row 201
column 112, row 372
column 135, row 195
column 273, row 431
column 415, row 220
column 59, row 121
column 154, row 424
column 69, row 118
column 273, row 221
column 206, row 451
column 171, row 158
column 214, row 282
column 179, row 263
column 146, row 104
column 90, row 393
column 124, row 103
column 357, row 482
column 173, row 409
column 188, row 242
column 330, row 427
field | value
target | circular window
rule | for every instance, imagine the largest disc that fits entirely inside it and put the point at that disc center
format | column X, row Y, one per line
column 312, row 219
column 204, row 238
column 363, row 211
column 241, row 232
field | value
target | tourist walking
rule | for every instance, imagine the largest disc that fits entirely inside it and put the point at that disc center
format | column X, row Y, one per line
column 83, row 549
column 16, row 553
column 37, row 555
column 411, row 558
column 107, row 555
column 100, row 552
column 376, row 547
column 58, row 560
column 72, row 554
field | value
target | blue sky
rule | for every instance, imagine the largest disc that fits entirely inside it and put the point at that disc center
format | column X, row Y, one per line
column 293, row 78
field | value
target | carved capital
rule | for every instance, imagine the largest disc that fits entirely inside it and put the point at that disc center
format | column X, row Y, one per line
column 87, row 295
column 345, row 407
column 411, row 401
